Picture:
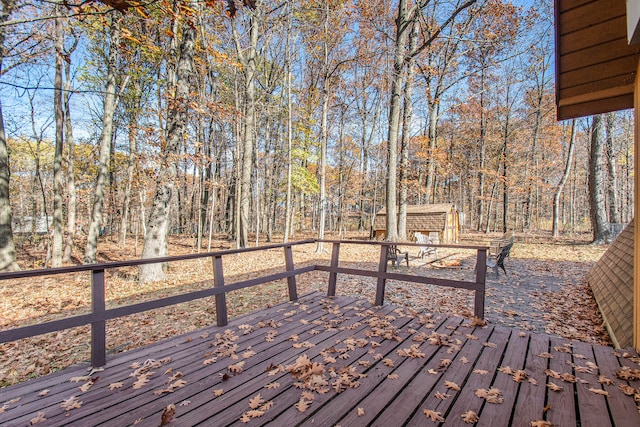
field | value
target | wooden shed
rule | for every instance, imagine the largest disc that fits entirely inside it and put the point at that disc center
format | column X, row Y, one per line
column 597, row 70
column 441, row 218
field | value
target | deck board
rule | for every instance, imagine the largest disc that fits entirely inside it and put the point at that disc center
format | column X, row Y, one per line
column 393, row 389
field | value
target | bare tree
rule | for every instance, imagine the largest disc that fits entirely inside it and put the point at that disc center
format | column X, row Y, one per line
column 599, row 222
column 567, row 168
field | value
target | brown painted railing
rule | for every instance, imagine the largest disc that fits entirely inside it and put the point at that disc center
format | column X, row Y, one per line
column 100, row 314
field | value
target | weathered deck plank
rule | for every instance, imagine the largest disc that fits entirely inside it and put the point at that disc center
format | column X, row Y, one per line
column 394, row 389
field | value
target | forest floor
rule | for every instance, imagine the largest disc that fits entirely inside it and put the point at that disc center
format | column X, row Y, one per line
column 544, row 291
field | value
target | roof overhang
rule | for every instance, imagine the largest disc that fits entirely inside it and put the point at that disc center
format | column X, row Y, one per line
column 595, row 65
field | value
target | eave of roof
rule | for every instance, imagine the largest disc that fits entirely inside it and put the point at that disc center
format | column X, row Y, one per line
column 595, row 65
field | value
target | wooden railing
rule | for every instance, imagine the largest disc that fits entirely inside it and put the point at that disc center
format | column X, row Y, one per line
column 100, row 314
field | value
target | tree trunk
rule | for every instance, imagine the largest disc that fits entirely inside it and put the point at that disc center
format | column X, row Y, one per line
column 131, row 167
column 323, row 129
column 155, row 242
column 395, row 108
column 612, row 199
column 287, row 67
column 248, row 61
column 406, row 130
column 7, row 248
column 596, row 183
column 71, row 182
column 105, row 144
column 482, row 154
column 58, row 174
column 567, row 168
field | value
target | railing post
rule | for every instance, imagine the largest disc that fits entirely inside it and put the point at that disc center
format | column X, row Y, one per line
column 481, row 278
column 98, row 327
column 291, row 280
column 333, row 274
column 382, row 268
column 221, row 299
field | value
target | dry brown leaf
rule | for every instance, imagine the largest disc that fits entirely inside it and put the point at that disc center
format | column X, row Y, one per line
column 307, row 395
column 185, row 403
column 546, row 355
column 464, row 360
column 540, row 423
column 388, row 362
column 71, row 403
column 599, row 391
column 114, row 386
column 452, row 386
column 209, row 361
column 553, row 386
column 552, row 373
column 470, row 417
column 435, row 416
column 80, row 379
column 480, row 371
column 142, row 380
column 272, row 386
column 568, row 377
column 256, row 401
column 218, row 392
column 302, row 405
column 236, row 368
column 86, row 386
column 393, row 376
column 602, row 379
column 489, row 344
column 360, row 412
column 493, row 395
column 442, row 396
column 432, row 371
column 43, row 393
column 38, row 418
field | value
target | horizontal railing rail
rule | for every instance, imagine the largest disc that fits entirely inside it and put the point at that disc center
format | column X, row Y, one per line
column 100, row 314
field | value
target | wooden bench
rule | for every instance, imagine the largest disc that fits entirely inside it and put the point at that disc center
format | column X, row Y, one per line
column 498, row 261
column 496, row 245
column 396, row 256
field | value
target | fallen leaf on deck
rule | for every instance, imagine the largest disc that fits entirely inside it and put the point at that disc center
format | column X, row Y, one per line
column 302, row 405
column 435, row 416
column 442, row 396
column 470, row 417
column 480, row 371
column 184, row 403
column 71, row 403
column 360, row 411
column 554, row 387
column 493, row 395
column 114, row 386
column 218, row 392
column 272, row 386
column 452, row 386
column 540, row 423
column 388, row 362
column 256, row 401
column 599, row 391
column 38, row 418
column 43, row 393
column 393, row 376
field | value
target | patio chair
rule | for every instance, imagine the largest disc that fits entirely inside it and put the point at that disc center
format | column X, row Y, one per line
column 425, row 240
column 396, row 256
column 496, row 245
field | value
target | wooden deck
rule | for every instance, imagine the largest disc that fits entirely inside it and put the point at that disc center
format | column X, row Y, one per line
column 366, row 366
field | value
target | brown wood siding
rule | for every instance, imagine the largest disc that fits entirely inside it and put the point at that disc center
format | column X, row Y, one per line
column 595, row 67
column 611, row 281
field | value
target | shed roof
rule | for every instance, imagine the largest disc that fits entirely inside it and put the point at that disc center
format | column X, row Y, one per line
column 595, row 65
column 424, row 209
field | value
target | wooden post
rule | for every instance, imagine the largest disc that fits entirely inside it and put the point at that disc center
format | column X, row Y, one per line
column 382, row 268
column 221, row 299
column 98, row 327
column 481, row 278
column 333, row 275
column 636, row 219
column 291, row 281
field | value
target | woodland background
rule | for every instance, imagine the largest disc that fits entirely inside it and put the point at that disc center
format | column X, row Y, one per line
column 273, row 119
